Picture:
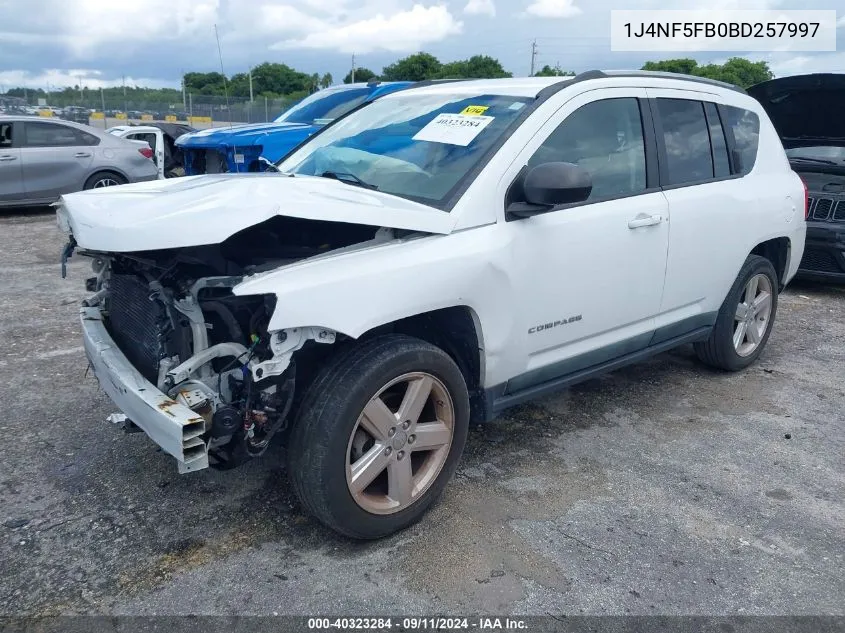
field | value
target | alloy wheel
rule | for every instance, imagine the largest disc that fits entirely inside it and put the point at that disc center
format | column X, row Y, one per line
column 753, row 314
column 400, row 443
column 105, row 182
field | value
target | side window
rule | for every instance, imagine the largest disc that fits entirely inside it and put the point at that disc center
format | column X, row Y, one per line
column 721, row 164
column 150, row 139
column 5, row 134
column 87, row 139
column 49, row 135
column 687, row 141
column 744, row 126
column 605, row 138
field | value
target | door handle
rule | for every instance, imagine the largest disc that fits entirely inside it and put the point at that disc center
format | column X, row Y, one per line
column 7, row 158
column 82, row 155
column 644, row 220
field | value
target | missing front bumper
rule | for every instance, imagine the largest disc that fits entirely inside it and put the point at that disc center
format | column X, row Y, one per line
column 174, row 427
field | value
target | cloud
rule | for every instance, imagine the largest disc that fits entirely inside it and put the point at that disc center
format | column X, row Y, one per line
column 281, row 18
column 94, row 23
column 552, row 9
column 55, row 79
column 783, row 65
column 405, row 31
column 85, row 26
column 480, row 7
column 840, row 23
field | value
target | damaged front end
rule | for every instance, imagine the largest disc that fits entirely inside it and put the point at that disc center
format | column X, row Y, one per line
column 185, row 359
column 176, row 329
column 193, row 366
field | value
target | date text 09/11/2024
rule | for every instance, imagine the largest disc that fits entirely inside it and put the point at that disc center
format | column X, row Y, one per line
column 418, row 623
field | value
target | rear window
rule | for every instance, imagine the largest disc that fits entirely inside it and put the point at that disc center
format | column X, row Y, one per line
column 49, row 135
column 687, row 141
column 744, row 126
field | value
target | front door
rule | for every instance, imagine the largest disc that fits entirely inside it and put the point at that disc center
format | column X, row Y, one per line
column 593, row 271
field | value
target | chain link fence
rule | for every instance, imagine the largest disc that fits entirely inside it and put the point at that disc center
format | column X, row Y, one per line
column 200, row 111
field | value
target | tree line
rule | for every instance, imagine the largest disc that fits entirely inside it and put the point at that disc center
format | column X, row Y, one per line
column 274, row 80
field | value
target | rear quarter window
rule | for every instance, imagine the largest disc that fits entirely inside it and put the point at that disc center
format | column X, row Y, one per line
column 87, row 139
column 744, row 126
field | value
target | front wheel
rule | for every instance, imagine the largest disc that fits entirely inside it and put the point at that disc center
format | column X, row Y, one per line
column 379, row 435
column 745, row 319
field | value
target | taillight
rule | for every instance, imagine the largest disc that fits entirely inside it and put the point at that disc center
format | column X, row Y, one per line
column 146, row 152
column 806, row 200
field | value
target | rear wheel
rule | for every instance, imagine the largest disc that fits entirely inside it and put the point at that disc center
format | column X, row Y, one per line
column 745, row 319
column 379, row 436
column 104, row 179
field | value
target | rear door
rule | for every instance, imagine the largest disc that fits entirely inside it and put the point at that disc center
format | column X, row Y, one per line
column 55, row 158
column 11, row 179
column 714, row 210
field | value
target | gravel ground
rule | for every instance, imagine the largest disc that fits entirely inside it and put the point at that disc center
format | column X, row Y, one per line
column 664, row 488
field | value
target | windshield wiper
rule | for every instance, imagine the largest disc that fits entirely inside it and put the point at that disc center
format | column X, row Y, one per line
column 808, row 159
column 350, row 179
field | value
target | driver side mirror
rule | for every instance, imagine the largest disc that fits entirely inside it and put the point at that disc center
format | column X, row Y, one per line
column 548, row 185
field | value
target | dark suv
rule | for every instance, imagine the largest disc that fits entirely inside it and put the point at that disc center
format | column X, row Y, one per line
column 807, row 111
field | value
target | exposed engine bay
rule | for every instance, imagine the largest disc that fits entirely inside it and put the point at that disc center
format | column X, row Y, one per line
column 173, row 314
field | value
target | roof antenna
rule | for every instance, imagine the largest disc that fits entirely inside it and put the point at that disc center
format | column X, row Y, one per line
column 223, row 72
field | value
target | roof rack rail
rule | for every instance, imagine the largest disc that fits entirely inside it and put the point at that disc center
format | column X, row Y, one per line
column 604, row 74
column 432, row 82
column 667, row 75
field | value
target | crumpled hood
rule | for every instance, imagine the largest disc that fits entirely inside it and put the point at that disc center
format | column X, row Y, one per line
column 197, row 210
column 242, row 135
column 805, row 109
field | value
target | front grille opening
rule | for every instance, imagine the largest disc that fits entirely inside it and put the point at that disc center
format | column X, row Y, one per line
column 822, row 210
column 820, row 260
column 839, row 214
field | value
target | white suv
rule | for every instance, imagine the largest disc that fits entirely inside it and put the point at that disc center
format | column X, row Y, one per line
column 429, row 260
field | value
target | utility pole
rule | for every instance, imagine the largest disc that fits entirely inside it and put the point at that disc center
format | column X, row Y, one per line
column 103, row 100
column 184, row 100
column 250, row 84
column 124, row 97
column 353, row 69
column 533, row 55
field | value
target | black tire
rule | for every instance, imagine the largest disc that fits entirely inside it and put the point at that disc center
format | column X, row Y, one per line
column 317, row 452
column 101, row 175
column 718, row 351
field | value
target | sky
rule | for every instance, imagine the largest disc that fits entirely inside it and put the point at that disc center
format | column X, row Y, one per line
column 56, row 43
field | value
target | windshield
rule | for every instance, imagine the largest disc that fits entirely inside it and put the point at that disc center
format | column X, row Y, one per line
column 419, row 147
column 822, row 152
column 326, row 104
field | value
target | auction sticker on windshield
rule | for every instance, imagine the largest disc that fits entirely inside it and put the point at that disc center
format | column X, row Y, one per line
column 475, row 110
column 453, row 129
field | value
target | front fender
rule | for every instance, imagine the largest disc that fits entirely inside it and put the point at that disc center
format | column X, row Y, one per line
column 352, row 293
